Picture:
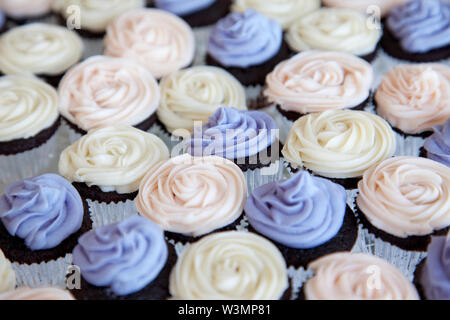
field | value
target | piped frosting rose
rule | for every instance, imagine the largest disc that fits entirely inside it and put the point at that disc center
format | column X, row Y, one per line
column 192, row 195
column 43, row 211
column 7, row 274
column 230, row 266
column 26, row 293
column 316, row 81
column 124, row 256
column 183, row 7
column 437, row 145
column 406, row 196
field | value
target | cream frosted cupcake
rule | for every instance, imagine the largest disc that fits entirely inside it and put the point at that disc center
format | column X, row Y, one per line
column 230, row 265
column 107, row 165
column 339, row 144
column 37, row 294
column 7, row 275
column 379, row 8
column 29, row 119
column 22, row 11
column 336, row 30
column 103, row 91
column 39, row 49
column 157, row 39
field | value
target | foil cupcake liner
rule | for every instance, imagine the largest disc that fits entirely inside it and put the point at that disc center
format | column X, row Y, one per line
column 106, row 213
column 261, row 176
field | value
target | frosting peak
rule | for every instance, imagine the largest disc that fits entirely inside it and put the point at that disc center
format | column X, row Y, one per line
column 438, row 144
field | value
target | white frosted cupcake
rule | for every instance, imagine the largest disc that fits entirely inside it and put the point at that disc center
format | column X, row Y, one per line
column 26, row 293
column 378, row 8
column 7, row 275
column 22, row 11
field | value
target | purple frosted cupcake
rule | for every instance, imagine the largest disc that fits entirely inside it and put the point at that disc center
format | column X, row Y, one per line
column 2, row 21
column 437, row 146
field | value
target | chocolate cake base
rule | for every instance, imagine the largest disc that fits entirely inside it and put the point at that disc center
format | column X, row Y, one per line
column 84, row 33
column 27, row 20
column 261, row 160
column 94, row 193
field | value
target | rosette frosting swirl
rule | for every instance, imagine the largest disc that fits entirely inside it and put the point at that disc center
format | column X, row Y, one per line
column 21, row 9
column 37, row 294
column 183, row 7
column 103, row 91
column 233, row 134
column 158, row 40
column 194, row 94
column 43, row 211
column 357, row 276
column 192, row 195
column 438, row 144
column 316, row 81
column 27, row 106
column 420, row 25
column 406, row 196
column 284, row 12
column 415, row 97
column 435, row 278
column 230, row 265
column 7, row 274
column 365, row 6
column 301, row 212
column 113, row 158
column 39, row 48
column 339, row 143
column 245, row 39
column 124, row 256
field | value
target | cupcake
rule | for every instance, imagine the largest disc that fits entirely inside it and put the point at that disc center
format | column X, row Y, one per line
column 230, row 266
column 315, row 81
column 248, row 45
column 333, row 29
column 415, row 97
column 37, row 294
column 23, row 11
column 248, row 138
column 41, row 49
column 94, row 15
column 103, row 91
column 107, row 165
column 285, row 12
column 41, row 219
column 157, row 39
column 305, row 216
column 419, row 31
column 189, row 197
column 128, row 260
column 432, row 276
column 194, row 94
column 339, row 144
column 404, row 200
column 356, row 276
column 29, row 119
column 2, row 22
column 7, row 275
column 380, row 8
column 197, row 13
column 437, row 146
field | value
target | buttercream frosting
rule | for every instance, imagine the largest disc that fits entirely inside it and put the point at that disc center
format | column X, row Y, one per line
column 316, row 81
column 334, row 29
column 26, row 293
column 7, row 274
column 374, row 7
column 183, row 7
column 2, row 20
column 39, row 48
column 357, row 276
column 113, row 158
column 124, row 256
column 194, row 94
column 437, row 145
column 27, row 106
column 415, row 97
column 339, row 143
column 230, row 265
column 43, row 211
column 20, row 9
column 104, row 91
column 406, row 196
column 192, row 195
column 157, row 39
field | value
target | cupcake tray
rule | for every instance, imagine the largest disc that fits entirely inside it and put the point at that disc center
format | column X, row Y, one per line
column 53, row 273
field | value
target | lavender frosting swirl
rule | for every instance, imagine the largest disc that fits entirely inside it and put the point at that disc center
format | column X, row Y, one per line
column 438, row 144
column 43, row 210
column 2, row 19
column 232, row 134
column 421, row 25
column 301, row 212
column 245, row 39
column 124, row 256
column 435, row 277
column 183, row 7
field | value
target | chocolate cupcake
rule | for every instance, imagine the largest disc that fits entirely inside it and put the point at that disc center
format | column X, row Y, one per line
column 230, row 265
column 403, row 201
column 305, row 216
column 418, row 31
column 107, row 165
column 339, row 144
column 189, row 197
column 376, row 7
column 41, row 218
column 103, row 91
column 25, row 11
column 112, row 269
column 7, row 274
column 39, row 49
column 26, row 293
column 248, row 45
column 437, row 146
column 338, row 30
